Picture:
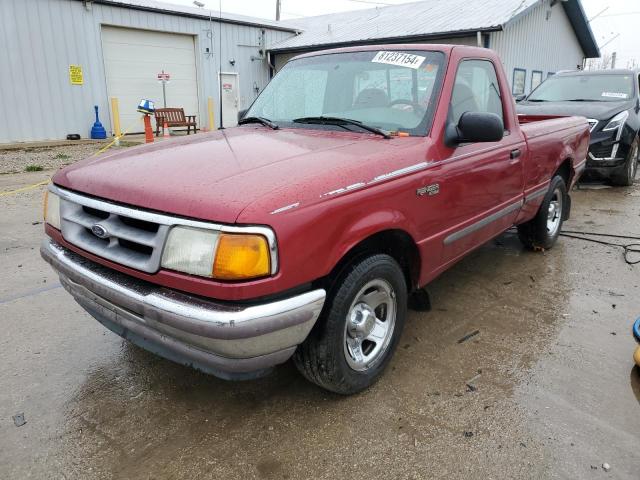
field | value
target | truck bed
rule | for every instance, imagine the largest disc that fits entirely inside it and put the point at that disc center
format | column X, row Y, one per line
column 524, row 119
column 536, row 125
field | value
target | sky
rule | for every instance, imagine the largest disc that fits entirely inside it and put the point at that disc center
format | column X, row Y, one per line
column 619, row 17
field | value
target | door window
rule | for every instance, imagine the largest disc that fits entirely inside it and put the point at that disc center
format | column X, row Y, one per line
column 476, row 89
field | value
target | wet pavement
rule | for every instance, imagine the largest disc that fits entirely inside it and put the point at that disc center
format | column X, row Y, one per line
column 553, row 393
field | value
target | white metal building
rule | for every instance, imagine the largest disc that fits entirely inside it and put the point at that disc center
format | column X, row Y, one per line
column 59, row 58
column 534, row 38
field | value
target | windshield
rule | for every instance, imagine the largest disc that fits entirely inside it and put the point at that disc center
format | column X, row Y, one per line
column 593, row 88
column 394, row 91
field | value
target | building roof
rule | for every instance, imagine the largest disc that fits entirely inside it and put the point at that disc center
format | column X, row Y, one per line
column 195, row 12
column 424, row 19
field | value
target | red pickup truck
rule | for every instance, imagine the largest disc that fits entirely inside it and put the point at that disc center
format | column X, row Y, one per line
column 355, row 178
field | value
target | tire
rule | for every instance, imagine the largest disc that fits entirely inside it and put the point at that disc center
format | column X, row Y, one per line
column 542, row 231
column 330, row 356
column 626, row 177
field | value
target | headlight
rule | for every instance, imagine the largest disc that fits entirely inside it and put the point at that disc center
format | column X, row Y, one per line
column 52, row 209
column 190, row 250
column 617, row 122
column 219, row 255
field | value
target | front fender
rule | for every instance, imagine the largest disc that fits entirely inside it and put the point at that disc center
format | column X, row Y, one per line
column 313, row 240
column 363, row 228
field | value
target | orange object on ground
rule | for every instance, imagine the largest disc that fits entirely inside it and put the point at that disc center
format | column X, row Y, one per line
column 165, row 130
column 148, row 132
column 636, row 356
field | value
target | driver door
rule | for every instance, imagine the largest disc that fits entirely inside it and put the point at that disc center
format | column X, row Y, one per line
column 482, row 182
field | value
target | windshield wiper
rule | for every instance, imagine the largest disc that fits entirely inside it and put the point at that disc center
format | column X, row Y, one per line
column 582, row 100
column 264, row 121
column 341, row 122
column 536, row 100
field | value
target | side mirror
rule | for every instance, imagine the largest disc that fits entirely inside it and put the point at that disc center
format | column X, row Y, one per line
column 241, row 114
column 475, row 127
column 520, row 97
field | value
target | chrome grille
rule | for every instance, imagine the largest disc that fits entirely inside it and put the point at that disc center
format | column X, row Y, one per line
column 135, row 237
column 103, row 231
column 600, row 150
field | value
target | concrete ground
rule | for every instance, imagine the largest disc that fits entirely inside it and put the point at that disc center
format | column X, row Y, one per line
column 54, row 154
column 554, row 392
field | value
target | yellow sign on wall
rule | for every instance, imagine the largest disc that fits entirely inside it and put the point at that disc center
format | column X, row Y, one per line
column 75, row 75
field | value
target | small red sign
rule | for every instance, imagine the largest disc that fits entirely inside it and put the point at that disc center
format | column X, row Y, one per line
column 164, row 77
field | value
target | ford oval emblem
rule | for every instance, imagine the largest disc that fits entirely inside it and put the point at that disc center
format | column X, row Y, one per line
column 99, row 231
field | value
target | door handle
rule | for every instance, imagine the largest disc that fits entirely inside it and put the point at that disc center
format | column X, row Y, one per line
column 515, row 153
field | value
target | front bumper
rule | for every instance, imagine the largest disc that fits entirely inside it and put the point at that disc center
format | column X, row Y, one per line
column 603, row 169
column 607, row 154
column 230, row 341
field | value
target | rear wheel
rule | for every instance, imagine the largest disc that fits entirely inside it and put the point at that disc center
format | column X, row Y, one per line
column 543, row 230
column 626, row 177
column 359, row 329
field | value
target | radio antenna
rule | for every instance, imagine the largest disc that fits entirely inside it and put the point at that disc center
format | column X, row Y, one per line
column 220, row 60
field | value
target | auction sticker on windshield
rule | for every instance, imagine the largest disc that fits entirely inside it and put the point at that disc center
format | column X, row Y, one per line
column 614, row 95
column 401, row 59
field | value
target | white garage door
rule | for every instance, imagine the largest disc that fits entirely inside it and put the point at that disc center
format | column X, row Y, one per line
column 133, row 59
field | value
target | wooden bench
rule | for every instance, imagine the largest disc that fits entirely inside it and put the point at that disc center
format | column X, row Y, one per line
column 174, row 117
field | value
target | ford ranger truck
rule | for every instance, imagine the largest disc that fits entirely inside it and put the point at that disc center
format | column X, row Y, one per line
column 354, row 179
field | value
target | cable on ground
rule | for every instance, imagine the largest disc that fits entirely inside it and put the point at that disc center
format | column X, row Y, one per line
column 629, row 248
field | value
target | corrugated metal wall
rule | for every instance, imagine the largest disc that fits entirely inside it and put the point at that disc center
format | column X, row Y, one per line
column 39, row 39
column 535, row 42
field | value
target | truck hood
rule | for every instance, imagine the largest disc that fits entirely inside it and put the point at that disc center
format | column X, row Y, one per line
column 596, row 110
column 214, row 176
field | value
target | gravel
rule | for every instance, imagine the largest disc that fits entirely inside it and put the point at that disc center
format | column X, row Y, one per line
column 47, row 157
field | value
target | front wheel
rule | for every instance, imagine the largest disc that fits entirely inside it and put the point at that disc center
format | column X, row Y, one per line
column 542, row 231
column 626, row 177
column 354, row 339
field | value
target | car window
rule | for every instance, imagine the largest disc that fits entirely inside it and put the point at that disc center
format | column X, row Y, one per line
column 426, row 83
column 401, row 84
column 392, row 90
column 598, row 87
column 370, row 80
column 304, row 91
column 476, row 89
column 395, row 83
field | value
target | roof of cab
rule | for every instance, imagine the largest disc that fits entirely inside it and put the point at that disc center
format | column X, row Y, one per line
column 429, row 47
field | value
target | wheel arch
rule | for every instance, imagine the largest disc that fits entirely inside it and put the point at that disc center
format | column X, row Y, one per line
column 566, row 171
column 395, row 242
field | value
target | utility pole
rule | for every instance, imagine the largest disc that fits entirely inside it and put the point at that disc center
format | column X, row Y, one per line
column 613, row 60
column 277, row 10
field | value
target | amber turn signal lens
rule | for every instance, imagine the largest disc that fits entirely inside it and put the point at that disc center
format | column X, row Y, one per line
column 240, row 257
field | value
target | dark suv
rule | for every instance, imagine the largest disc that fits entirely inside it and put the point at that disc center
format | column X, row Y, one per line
column 610, row 100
